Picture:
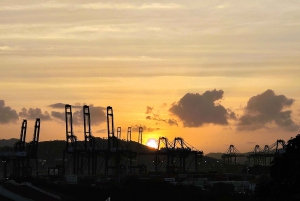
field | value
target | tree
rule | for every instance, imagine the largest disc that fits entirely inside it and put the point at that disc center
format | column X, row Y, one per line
column 285, row 172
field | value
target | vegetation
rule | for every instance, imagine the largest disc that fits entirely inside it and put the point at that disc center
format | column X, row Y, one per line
column 284, row 181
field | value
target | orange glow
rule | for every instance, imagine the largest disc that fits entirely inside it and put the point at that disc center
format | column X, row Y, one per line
column 151, row 142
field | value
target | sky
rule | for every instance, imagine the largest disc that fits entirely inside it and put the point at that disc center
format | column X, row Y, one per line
column 214, row 72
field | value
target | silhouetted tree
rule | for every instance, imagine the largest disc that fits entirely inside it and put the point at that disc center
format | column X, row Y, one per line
column 285, row 173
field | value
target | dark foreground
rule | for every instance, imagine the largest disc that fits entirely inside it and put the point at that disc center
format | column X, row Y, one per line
column 133, row 189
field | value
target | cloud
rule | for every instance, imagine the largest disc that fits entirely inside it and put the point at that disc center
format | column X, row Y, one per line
column 58, row 115
column 149, row 110
column 62, row 105
column 164, row 105
column 135, row 128
column 97, row 113
column 45, row 5
column 7, row 115
column 158, row 6
column 171, row 122
column 228, row 128
column 195, row 110
column 266, row 109
column 7, row 49
column 101, row 131
column 92, row 6
column 32, row 114
column 156, row 117
column 231, row 114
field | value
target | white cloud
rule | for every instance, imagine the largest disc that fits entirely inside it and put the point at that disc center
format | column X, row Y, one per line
column 95, row 6
column 154, row 28
column 6, row 48
column 161, row 6
column 139, row 58
column 46, row 5
column 63, row 31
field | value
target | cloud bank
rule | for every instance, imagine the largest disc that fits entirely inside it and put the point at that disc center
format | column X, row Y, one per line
column 8, row 115
column 97, row 113
column 32, row 114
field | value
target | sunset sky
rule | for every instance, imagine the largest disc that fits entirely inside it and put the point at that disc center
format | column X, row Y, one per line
column 214, row 72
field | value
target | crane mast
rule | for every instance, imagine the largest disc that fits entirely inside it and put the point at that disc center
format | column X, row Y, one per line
column 119, row 133
column 140, row 139
column 110, row 129
column 71, row 143
column 20, row 145
column 33, row 145
column 129, row 134
column 89, row 142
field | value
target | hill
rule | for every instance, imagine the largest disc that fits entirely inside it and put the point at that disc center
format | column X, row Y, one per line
column 215, row 155
column 8, row 143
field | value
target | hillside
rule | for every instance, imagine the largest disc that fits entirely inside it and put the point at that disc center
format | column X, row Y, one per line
column 8, row 143
column 215, row 155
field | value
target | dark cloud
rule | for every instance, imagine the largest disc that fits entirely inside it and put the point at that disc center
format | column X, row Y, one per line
column 265, row 109
column 195, row 110
column 78, row 117
column 57, row 105
column 7, row 115
column 32, row 114
column 62, row 105
column 156, row 117
column 135, row 128
column 149, row 110
column 164, row 105
column 231, row 115
column 98, row 114
column 102, row 131
column 171, row 122
column 58, row 115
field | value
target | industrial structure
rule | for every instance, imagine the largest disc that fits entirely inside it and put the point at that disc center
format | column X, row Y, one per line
column 115, row 157
column 119, row 159
column 174, row 156
column 256, row 157
column 21, row 161
column 263, row 156
column 230, row 155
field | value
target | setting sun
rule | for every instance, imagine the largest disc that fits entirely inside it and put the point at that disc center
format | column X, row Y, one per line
column 151, row 142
